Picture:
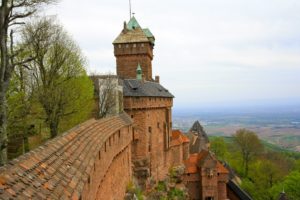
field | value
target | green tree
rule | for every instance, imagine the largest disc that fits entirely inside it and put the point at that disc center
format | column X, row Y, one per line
column 19, row 106
column 248, row 145
column 60, row 81
column 292, row 186
column 219, row 147
column 264, row 175
column 12, row 13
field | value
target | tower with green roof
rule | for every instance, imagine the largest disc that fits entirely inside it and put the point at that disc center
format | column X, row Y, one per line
column 134, row 46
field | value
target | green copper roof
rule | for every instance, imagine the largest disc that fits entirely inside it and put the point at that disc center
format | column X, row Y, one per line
column 134, row 33
column 139, row 69
column 148, row 32
column 139, row 73
column 133, row 24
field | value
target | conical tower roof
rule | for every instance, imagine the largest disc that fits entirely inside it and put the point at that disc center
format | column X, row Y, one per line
column 198, row 138
column 198, row 129
column 133, row 33
column 133, row 24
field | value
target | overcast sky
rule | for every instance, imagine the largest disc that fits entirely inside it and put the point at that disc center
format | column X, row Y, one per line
column 207, row 52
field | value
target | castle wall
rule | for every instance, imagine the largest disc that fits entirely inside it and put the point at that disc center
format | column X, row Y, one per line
column 117, row 176
column 113, row 159
column 209, row 185
column 90, row 161
column 152, row 127
column 176, row 155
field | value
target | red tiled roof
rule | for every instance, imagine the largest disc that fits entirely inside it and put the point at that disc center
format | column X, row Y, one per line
column 191, row 163
column 61, row 166
column 178, row 138
column 176, row 134
column 190, row 166
column 221, row 169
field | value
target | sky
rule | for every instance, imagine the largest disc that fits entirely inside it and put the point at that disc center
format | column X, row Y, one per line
column 208, row 53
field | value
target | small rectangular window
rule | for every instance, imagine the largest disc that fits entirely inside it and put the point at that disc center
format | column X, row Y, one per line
column 150, row 129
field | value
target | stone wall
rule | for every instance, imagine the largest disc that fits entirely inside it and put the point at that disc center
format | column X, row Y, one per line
column 151, row 141
column 129, row 55
column 117, row 176
column 113, row 158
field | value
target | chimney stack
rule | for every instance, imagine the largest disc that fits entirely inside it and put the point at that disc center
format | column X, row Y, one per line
column 157, row 79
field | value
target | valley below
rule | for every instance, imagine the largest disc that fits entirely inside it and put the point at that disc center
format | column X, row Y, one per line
column 275, row 128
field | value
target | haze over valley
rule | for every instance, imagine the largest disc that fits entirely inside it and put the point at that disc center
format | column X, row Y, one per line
column 279, row 125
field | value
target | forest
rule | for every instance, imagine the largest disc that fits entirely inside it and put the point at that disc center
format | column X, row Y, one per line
column 263, row 171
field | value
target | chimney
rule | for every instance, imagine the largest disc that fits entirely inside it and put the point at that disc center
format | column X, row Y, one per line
column 157, row 79
column 124, row 28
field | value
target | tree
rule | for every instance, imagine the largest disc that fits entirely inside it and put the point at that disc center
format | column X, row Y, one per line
column 11, row 12
column 292, row 186
column 108, row 95
column 218, row 146
column 19, row 125
column 60, row 81
column 249, row 146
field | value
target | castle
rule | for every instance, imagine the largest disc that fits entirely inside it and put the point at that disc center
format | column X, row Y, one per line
column 97, row 159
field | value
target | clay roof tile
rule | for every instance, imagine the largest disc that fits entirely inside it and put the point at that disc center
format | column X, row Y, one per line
column 56, row 169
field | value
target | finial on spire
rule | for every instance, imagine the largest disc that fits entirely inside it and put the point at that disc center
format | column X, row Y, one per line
column 129, row 9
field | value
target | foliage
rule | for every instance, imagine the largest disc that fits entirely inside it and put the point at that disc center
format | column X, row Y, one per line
column 219, row 147
column 12, row 14
column 248, row 145
column 161, row 186
column 176, row 194
column 134, row 190
column 61, row 85
column 268, row 171
column 292, row 186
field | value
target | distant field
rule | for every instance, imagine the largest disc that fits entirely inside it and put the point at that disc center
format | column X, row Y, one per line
column 267, row 146
column 288, row 138
column 279, row 129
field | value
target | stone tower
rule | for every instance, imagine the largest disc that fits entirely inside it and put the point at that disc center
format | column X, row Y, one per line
column 134, row 46
column 147, row 102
